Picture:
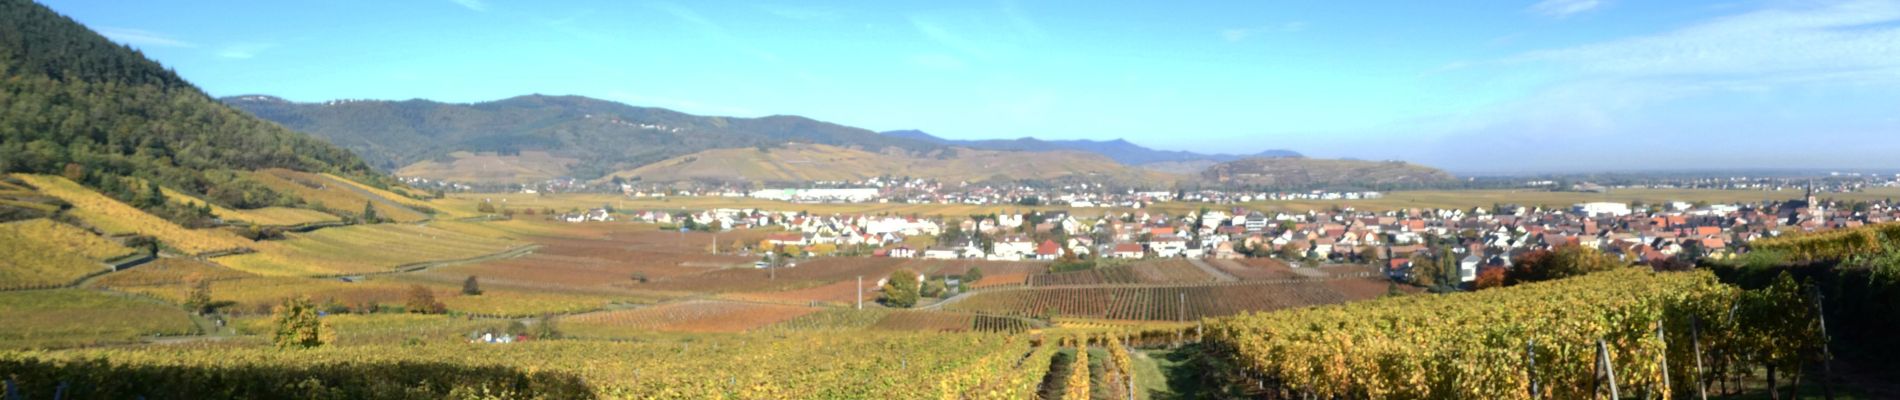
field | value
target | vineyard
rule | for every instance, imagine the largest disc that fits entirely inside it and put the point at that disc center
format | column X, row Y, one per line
column 687, row 316
column 588, row 264
column 112, row 217
column 939, row 321
column 355, row 330
column 1095, row 276
column 1255, row 268
column 1836, row 244
column 42, row 252
column 167, row 271
column 807, row 274
column 390, row 196
column 1170, row 271
column 1150, row 302
column 324, row 192
column 1153, row 271
column 876, row 365
column 267, row 216
column 257, row 295
column 359, row 249
column 72, row 317
column 1530, row 341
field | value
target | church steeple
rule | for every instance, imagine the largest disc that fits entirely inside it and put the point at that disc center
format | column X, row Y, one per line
column 1814, row 207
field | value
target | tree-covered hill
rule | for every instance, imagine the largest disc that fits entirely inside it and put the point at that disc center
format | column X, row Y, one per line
column 597, row 136
column 76, row 104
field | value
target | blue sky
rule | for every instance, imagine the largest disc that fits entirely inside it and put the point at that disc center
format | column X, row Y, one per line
column 1475, row 86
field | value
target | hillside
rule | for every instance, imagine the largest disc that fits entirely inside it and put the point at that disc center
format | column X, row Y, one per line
column 102, row 114
column 808, row 162
column 535, row 137
column 1300, row 173
column 1119, row 150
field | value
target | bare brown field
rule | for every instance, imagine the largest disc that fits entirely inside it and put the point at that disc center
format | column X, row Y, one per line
column 1170, row 271
column 960, row 267
column 841, row 292
column 807, row 274
column 1002, row 279
column 1255, row 268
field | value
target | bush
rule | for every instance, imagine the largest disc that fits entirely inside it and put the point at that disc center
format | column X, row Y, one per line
column 900, row 289
column 1562, row 262
column 470, row 287
column 298, row 326
column 932, row 288
column 422, row 301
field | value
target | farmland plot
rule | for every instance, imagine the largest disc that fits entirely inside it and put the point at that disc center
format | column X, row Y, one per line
column 74, row 317
column 40, row 252
column 807, row 274
column 1152, row 302
column 1170, row 271
column 689, row 316
column 360, row 249
column 112, row 217
column 168, row 271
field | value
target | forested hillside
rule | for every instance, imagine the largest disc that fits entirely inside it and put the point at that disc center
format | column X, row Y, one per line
column 73, row 103
column 585, row 138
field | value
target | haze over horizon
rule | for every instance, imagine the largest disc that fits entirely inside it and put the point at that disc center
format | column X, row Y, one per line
column 1499, row 86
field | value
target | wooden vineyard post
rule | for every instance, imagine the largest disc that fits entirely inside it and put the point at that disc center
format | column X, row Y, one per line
column 1663, row 356
column 1606, row 369
column 1531, row 357
column 1827, row 354
column 1695, row 340
column 860, row 292
column 1181, row 315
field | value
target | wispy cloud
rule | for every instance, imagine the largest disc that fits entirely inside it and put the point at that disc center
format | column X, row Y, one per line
column 944, row 36
column 713, row 30
column 1847, row 41
column 801, row 13
column 1595, row 100
column 1564, row 8
column 143, row 38
column 1239, row 34
column 476, row 5
column 243, row 51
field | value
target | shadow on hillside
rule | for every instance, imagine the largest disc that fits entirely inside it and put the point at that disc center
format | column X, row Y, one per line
column 1192, row 373
column 99, row 378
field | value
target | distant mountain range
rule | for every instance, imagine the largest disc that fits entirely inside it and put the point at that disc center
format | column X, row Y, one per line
column 1119, row 150
column 1299, row 172
column 581, row 137
column 798, row 162
column 533, row 138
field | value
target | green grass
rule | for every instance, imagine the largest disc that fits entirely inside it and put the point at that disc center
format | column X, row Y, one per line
column 1150, row 381
column 75, row 317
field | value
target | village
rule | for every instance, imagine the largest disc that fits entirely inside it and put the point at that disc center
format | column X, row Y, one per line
column 1475, row 239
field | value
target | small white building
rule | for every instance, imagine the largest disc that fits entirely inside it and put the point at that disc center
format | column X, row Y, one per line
column 1601, row 208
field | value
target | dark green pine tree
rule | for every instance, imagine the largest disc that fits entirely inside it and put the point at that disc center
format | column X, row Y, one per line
column 369, row 212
